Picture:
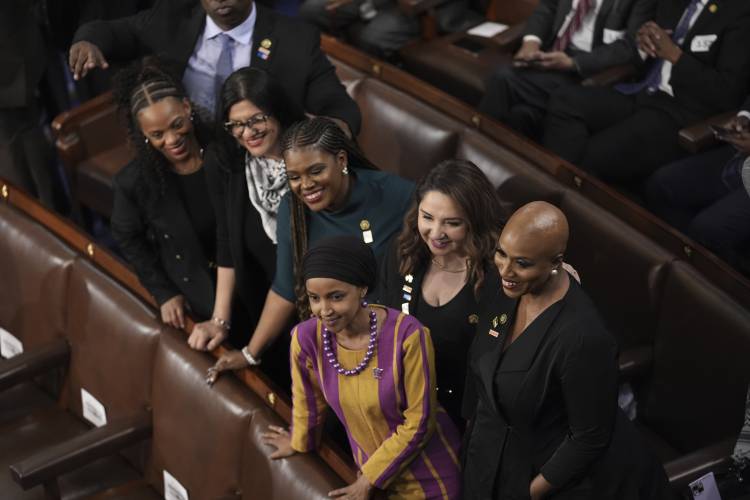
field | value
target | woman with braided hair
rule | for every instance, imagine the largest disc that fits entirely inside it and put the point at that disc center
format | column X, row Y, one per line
column 158, row 219
column 335, row 190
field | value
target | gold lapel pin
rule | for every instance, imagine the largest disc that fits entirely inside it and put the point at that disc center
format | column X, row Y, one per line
column 266, row 43
column 473, row 319
column 494, row 322
column 408, row 278
column 713, row 8
column 503, row 318
column 364, row 225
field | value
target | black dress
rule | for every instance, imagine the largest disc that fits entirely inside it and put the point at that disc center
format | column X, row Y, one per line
column 548, row 405
column 451, row 325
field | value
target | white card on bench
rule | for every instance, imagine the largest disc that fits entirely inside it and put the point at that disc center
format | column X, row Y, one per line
column 487, row 30
column 173, row 490
column 9, row 345
column 93, row 410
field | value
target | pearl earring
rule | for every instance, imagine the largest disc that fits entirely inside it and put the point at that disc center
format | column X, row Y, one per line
column 364, row 304
column 145, row 141
column 553, row 272
column 345, row 171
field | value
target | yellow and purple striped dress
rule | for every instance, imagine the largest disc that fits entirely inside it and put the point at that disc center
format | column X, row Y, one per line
column 402, row 440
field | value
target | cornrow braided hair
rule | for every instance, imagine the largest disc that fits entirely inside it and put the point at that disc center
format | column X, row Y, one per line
column 136, row 87
column 324, row 135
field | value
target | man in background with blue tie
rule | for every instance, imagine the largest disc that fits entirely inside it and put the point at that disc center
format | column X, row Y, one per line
column 207, row 40
column 697, row 65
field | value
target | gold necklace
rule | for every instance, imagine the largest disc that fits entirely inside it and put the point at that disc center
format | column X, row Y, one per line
column 442, row 267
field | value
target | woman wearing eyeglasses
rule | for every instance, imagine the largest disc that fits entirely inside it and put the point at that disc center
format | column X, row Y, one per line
column 158, row 218
column 247, row 179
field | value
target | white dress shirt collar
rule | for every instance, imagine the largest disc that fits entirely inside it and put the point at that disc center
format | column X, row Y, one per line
column 242, row 33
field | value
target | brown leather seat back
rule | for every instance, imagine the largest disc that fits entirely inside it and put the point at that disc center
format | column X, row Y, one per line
column 34, row 266
column 517, row 182
column 400, row 134
column 198, row 431
column 113, row 338
column 621, row 269
column 300, row 476
column 701, row 363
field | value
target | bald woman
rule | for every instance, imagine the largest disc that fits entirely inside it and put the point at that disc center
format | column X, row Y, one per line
column 541, row 391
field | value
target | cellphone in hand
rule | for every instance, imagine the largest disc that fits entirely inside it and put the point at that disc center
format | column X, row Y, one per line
column 723, row 133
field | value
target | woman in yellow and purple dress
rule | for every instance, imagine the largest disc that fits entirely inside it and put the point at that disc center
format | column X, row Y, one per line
column 375, row 367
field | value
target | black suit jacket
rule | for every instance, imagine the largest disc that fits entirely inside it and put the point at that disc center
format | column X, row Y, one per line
column 161, row 245
column 558, row 415
column 620, row 19
column 710, row 80
column 23, row 53
column 241, row 241
column 171, row 29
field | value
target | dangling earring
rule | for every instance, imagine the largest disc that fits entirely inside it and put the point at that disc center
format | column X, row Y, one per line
column 554, row 272
column 364, row 304
column 345, row 171
column 145, row 140
column 192, row 115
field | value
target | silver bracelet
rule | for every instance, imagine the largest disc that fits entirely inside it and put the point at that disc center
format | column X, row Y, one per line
column 222, row 323
column 251, row 360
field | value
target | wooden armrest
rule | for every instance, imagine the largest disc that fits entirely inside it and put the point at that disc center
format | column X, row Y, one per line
column 32, row 363
column 69, row 455
column 610, row 76
column 414, row 8
column 87, row 130
column 699, row 137
column 635, row 363
column 510, row 38
column 687, row 468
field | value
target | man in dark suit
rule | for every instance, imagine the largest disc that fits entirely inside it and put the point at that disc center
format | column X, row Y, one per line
column 564, row 41
column 23, row 149
column 206, row 41
column 704, row 197
column 698, row 66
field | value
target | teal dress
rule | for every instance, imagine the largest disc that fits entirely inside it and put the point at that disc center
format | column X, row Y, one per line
column 377, row 200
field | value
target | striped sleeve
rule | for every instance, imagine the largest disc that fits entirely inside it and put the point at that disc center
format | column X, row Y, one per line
column 308, row 403
column 402, row 446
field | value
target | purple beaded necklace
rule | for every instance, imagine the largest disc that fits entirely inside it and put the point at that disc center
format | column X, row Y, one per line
column 331, row 356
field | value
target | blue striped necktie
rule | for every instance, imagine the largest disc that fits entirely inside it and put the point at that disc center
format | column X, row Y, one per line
column 653, row 77
column 224, row 67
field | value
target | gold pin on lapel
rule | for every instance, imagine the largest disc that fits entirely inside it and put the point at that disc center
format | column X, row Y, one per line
column 503, row 318
column 364, row 225
column 713, row 8
column 473, row 319
column 494, row 322
column 266, row 43
column 408, row 278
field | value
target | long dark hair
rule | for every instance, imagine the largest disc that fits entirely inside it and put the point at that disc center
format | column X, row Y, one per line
column 267, row 94
column 323, row 135
column 470, row 189
column 136, row 87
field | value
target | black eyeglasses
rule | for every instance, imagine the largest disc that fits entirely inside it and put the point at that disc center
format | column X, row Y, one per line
column 238, row 128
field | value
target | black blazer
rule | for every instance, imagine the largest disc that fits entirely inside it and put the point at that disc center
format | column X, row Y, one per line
column 711, row 79
column 549, row 404
column 241, row 241
column 23, row 53
column 614, row 31
column 161, row 245
column 171, row 29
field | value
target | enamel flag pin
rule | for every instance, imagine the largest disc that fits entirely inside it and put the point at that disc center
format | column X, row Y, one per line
column 264, row 50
